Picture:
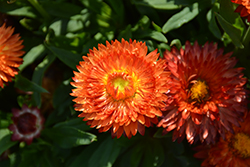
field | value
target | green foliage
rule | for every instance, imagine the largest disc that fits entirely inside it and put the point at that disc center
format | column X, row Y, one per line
column 58, row 33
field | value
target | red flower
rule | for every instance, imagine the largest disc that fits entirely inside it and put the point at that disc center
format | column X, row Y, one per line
column 243, row 8
column 10, row 53
column 233, row 152
column 120, row 87
column 207, row 94
column 27, row 124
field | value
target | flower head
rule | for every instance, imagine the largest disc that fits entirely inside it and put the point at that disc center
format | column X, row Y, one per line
column 207, row 94
column 27, row 124
column 234, row 151
column 120, row 87
column 243, row 8
column 10, row 53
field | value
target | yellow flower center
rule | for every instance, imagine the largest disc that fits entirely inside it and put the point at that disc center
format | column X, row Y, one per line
column 120, row 84
column 242, row 144
column 199, row 91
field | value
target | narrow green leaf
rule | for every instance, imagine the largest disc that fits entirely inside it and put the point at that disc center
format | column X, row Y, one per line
column 6, row 143
column 176, row 42
column 152, row 34
column 27, row 85
column 184, row 16
column 83, row 158
column 76, row 123
column 67, row 57
column 246, row 38
column 106, row 154
column 32, row 55
column 233, row 32
column 61, row 9
column 38, row 75
column 158, row 4
column 61, row 98
column 18, row 10
column 126, row 34
column 213, row 27
column 68, row 137
column 157, row 28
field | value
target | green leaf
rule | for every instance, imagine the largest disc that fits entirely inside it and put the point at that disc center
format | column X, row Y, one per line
column 68, row 137
column 61, row 98
column 227, row 12
column 213, row 27
column 152, row 34
column 126, row 34
column 106, row 154
column 6, row 143
column 177, row 43
column 38, row 76
column 184, row 16
column 32, row 55
column 117, row 10
column 157, row 28
column 67, row 57
column 76, row 123
column 27, row 85
column 246, row 38
column 61, row 9
column 18, row 9
column 83, row 158
column 233, row 32
column 158, row 4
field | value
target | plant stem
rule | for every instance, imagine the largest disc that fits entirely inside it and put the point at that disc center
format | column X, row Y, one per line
column 40, row 9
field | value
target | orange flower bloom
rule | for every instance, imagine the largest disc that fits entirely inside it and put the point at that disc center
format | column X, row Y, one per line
column 10, row 52
column 243, row 8
column 207, row 94
column 233, row 152
column 120, row 87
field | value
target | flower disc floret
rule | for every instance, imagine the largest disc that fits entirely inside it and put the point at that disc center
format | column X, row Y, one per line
column 120, row 87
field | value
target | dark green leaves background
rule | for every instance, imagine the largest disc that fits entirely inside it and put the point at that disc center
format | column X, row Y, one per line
column 57, row 33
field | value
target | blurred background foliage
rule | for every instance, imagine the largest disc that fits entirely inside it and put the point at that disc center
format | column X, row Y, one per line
column 57, row 33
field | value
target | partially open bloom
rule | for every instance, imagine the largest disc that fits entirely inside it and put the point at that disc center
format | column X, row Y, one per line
column 10, row 54
column 234, row 151
column 120, row 87
column 207, row 94
column 27, row 124
column 243, row 8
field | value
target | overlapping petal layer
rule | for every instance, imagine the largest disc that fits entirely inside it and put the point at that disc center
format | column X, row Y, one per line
column 27, row 124
column 233, row 152
column 243, row 8
column 207, row 94
column 120, row 87
column 10, row 54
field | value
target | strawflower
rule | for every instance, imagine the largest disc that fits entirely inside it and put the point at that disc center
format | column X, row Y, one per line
column 243, row 8
column 207, row 94
column 27, row 124
column 120, row 87
column 10, row 54
column 234, row 151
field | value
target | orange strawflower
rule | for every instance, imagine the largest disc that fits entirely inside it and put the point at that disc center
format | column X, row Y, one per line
column 10, row 53
column 243, row 8
column 234, row 151
column 120, row 87
column 207, row 94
